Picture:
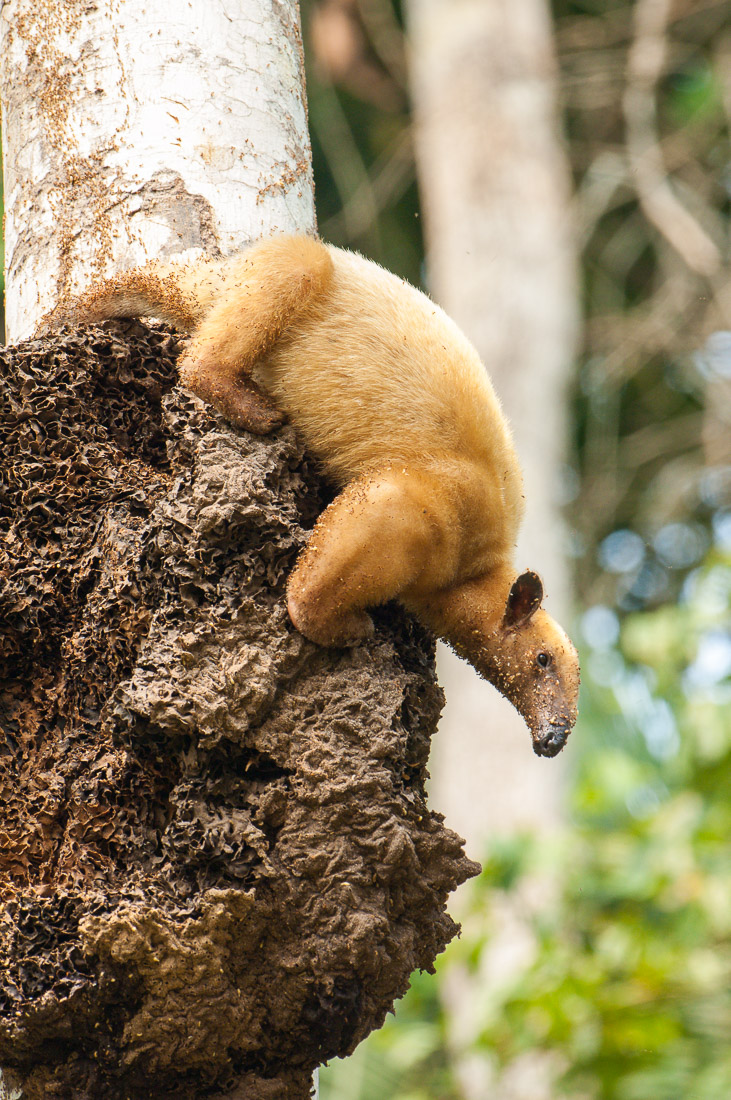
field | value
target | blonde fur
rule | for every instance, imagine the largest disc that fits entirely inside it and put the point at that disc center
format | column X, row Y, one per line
column 393, row 401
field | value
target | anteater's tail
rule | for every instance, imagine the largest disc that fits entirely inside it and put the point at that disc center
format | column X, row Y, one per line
column 177, row 293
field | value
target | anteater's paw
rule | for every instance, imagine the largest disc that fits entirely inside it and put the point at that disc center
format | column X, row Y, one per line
column 343, row 629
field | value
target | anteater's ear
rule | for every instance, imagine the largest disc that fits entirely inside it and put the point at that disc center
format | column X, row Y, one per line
column 524, row 600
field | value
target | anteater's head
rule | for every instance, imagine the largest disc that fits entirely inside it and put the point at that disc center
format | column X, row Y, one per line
column 535, row 666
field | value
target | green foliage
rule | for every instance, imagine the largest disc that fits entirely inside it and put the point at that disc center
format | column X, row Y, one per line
column 693, row 93
column 406, row 1059
column 629, row 987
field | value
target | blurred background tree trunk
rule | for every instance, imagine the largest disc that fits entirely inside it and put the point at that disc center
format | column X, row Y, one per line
column 495, row 194
column 500, row 258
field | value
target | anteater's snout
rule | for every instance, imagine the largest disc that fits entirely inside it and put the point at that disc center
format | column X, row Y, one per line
column 553, row 740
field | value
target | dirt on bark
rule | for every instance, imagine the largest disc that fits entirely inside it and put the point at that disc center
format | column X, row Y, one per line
column 217, row 865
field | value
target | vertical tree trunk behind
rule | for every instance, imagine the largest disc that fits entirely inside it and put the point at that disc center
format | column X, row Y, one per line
column 495, row 195
column 217, row 866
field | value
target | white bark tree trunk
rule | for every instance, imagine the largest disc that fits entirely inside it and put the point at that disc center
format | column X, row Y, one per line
column 495, row 194
column 140, row 131
column 132, row 133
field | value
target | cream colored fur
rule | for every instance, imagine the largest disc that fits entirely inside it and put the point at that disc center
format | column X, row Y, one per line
column 393, row 401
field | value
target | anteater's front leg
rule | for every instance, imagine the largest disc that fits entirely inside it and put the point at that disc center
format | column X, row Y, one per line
column 383, row 536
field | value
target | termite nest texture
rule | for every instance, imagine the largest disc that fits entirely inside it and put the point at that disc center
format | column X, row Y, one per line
column 217, row 866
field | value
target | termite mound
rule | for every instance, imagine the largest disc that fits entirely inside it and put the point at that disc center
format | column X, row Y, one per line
column 217, row 864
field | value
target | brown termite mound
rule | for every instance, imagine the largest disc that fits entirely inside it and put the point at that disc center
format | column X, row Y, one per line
column 217, row 865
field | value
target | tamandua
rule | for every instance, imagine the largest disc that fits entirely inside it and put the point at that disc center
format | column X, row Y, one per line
column 393, row 401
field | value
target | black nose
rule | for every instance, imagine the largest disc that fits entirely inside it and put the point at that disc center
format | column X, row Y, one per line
column 552, row 742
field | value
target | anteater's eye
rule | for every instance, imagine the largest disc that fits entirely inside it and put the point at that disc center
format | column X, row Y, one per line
column 544, row 659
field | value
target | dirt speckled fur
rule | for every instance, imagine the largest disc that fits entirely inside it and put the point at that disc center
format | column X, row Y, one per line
column 396, row 405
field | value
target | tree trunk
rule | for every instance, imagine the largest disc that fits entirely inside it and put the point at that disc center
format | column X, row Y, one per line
column 495, row 195
column 216, row 861
column 133, row 133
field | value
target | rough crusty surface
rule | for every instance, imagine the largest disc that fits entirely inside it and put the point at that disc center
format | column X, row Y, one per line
column 217, row 865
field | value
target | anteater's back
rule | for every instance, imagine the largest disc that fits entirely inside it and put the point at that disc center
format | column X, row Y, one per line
column 378, row 372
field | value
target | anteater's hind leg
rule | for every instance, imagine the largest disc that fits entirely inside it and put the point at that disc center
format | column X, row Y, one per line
column 236, row 309
column 265, row 291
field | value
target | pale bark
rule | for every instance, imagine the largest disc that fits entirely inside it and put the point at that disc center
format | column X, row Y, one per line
column 8, row 1091
column 495, row 191
column 146, row 131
